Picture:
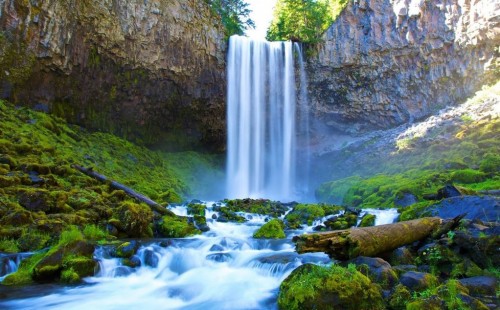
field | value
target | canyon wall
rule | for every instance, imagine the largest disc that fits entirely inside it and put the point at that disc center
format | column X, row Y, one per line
column 149, row 70
column 387, row 62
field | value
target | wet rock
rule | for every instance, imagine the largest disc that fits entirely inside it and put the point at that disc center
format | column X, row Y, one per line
column 486, row 208
column 417, row 281
column 480, row 285
column 367, row 220
column 220, row 257
column 377, row 269
column 127, row 249
column 122, row 271
column 401, row 269
column 151, row 258
column 282, row 258
column 400, row 256
column 133, row 262
column 216, row 248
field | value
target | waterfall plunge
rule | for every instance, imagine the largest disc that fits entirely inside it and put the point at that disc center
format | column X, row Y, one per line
column 261, row 117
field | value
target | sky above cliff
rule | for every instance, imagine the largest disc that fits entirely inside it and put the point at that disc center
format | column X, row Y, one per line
column 262, row 14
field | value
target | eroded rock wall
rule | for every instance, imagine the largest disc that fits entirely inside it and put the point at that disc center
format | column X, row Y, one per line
column 151, row 70
column 387, row 62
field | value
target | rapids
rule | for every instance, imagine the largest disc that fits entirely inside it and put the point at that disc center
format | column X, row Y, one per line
column 225, row 268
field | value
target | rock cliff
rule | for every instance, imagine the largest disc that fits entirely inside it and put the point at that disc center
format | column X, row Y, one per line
column 150, row 70
column 387, row 62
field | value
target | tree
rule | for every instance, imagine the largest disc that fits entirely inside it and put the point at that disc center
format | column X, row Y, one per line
column 234, row 15
column 303, row 20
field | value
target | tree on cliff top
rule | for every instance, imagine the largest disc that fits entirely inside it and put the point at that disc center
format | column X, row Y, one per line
column 234, row 15
column 303, row 20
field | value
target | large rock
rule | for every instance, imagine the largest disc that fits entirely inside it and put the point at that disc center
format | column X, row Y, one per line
column 388, row 62
column 144, row 69
column 417, row 281
column 376, row 269
column 481, row 285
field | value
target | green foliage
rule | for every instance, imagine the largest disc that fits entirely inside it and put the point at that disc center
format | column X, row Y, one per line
column 133, row 219
column 303, row 20
column 234, row 15
column 271, row 230
column 334, row 287
column 257, row 206
column 177, row 227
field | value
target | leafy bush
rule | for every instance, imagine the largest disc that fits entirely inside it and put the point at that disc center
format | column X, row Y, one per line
column 303, row 20
column 468, row 176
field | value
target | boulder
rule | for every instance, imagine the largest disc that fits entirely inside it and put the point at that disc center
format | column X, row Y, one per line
column 377, row 269
column 417, row 281
column 481, row 285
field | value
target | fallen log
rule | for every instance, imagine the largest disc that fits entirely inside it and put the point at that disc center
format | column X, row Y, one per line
column 367, row 241
column 113, row 184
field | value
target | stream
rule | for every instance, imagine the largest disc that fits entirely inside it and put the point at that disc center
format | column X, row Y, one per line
column 225, row 268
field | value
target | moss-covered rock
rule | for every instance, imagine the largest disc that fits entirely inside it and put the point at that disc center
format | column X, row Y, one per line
column 271, row 230
column 344, row 221
column 367, row 220
column 176, row 227
column 134, row 219
column 335, row 287
column 305, row 214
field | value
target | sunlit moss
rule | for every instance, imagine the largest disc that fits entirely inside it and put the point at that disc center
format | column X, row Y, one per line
column 271, row 230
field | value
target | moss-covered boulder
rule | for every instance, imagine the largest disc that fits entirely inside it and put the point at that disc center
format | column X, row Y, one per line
column 133, row 219
column 335, row 287
column 271, row 230
column 418, row 281
column 176, row 227
column 367, row 220
column 65, row 256
column 306, row 214
column 344, row 221
column 377, row 269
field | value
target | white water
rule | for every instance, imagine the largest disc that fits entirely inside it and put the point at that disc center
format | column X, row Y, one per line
column 224, row 268
column 261, row 119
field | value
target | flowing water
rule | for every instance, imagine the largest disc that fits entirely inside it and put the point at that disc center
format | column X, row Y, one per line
column 225, row 268
column 261, row 118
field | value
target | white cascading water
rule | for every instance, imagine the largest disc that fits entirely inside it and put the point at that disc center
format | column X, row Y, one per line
column 225, row 268
column 261, row 119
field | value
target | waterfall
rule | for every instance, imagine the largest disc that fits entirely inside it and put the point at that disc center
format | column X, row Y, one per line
column 261, row 119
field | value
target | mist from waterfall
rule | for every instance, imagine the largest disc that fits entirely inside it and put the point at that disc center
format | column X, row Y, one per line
column 262, row 119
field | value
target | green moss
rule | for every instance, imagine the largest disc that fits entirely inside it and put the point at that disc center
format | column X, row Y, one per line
column 490, row 163
column 176, row 227
column 257, row 206
column 70, row 276
column 196, row 209
column 134, row 219
column 271, row 230
column 468, row 176
column 416, row 210
column 9, row 246
column 367, row 220
column 335, row 287
column 93, row 232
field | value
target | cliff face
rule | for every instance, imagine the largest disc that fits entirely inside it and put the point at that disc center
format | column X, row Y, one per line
column 151, row 70
column 386, row 62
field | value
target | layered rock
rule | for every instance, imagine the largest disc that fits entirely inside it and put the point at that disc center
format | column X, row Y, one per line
column 387, row 62
column 145, row 69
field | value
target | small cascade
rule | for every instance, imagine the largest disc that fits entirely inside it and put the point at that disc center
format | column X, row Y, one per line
column 382, row 217
column 261, row 119
column 9, row 263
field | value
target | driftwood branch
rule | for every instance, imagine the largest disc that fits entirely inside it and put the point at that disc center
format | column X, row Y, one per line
column 367, row 241
column 113, row 184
